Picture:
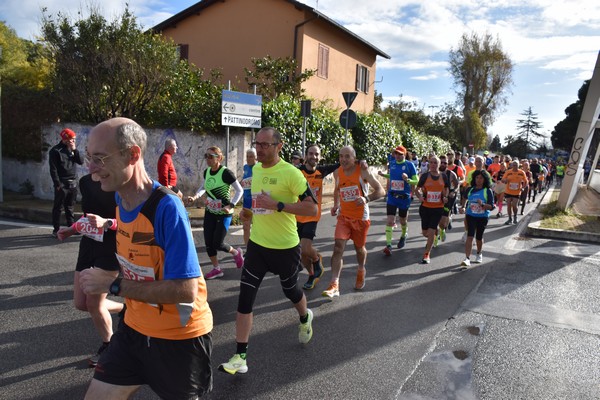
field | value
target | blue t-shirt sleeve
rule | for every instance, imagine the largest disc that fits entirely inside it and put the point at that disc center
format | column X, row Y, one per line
column 173, row 234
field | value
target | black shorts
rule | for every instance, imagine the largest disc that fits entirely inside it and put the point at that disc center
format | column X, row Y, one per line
column 307, row 230
column 511, row 196
column 174, row 369
column 391, row 210
column 96, row 254
column 430, row 217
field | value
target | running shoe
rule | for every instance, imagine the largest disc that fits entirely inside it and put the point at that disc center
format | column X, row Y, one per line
column 435, row 240
column 215, row 273
column 515, row 221
column 333, row 290
column 443, row 235
column 508, row 222
column 360, row 279
column 450, row 224
column 464, row 237
column 311, row 282
column 498, row 215
column 318, row 267
column 402, row 241
column 55, row 234
column 426, row 259
column 466, row 263
column 239, row 258
column 93, row 360
column 478, row 258
column 387, row 250
column 236, row 364
column 305, row 330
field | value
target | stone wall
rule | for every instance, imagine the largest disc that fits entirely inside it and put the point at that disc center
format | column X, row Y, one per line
column 189, row 160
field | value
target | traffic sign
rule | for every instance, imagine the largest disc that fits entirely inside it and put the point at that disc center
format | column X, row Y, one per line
column 348, row 119
column 349, row 97
column 241, row 109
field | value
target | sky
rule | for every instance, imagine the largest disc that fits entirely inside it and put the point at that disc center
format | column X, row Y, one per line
column 553, row 44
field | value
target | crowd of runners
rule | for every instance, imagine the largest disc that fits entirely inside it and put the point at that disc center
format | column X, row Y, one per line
column 164, row 335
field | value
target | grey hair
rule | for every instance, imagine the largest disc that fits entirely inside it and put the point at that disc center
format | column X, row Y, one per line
column 251, row 150
column 169, row 142
column 131, row 134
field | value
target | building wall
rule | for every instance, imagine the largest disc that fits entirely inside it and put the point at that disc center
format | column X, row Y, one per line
column 227, row 35
column 189, row 160
column 344, row 54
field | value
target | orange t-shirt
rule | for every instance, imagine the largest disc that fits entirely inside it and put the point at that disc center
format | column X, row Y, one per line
column 515, row 181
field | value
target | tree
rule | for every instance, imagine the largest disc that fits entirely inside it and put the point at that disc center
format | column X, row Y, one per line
column 106, row 70
column 276, row 76
column 515, row 147
column 405, row 114
column 528, row 129
column 23, row 62
column 449, row 125
column 564, row 132
column 482, row 75
column 496, row 144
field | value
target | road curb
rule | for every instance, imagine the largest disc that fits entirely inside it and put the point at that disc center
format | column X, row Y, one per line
column 535, row 229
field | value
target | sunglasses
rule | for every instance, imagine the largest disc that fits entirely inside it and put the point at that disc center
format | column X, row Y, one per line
column 210, row 156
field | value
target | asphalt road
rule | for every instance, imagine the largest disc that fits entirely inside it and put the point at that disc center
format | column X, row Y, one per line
column 524, row 324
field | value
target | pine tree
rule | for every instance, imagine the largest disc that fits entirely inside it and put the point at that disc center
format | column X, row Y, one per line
column 529, row 129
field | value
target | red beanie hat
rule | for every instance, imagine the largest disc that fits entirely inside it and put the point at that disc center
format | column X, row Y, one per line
column 67, row 134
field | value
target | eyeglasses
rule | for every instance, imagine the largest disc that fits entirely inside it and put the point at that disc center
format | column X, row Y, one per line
column 99, row 160
column 210, row 155
column 443, row 162
column 264, row 145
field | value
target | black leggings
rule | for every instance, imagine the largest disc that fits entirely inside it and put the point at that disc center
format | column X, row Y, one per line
column 215, row 230
column 476, row 226
column 259, row 260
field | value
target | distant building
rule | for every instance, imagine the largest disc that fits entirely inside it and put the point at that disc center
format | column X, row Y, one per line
column 227, row 34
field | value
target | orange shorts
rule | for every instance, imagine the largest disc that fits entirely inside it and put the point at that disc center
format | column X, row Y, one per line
column 348, row 228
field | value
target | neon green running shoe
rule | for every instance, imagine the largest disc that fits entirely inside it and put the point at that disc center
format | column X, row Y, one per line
column 305, row 330
column 235, row 364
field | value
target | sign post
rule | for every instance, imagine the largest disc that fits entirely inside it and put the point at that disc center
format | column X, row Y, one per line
column 348, row 117
column 305, row 113
column 240, row 109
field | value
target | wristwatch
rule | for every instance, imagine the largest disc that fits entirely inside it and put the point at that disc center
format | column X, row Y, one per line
column 109, row 223
column 115, row 287
column 280, row 206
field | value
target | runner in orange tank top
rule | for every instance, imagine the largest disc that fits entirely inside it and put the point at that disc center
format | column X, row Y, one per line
column 351, row 196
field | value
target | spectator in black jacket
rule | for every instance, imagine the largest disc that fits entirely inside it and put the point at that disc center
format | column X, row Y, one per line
column 63, row 159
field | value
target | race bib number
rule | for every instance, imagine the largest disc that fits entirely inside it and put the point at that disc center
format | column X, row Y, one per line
column 476, row 208
column 434, row 197
column 214, row 204
column 513, row 186
column 84, row 227
column 349, row 193
column 256, row 209
column 135, row 272
column 397, row 185
column 246, row 183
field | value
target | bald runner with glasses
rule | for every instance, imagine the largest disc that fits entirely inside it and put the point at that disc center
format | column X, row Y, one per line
column 164, row 339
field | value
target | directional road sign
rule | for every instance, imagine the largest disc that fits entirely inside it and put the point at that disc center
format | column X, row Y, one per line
column 241, row 109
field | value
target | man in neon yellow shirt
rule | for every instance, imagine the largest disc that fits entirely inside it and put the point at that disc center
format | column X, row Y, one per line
column 279, row 193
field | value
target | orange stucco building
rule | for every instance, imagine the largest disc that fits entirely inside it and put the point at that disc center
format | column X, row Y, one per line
column 227, row 34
